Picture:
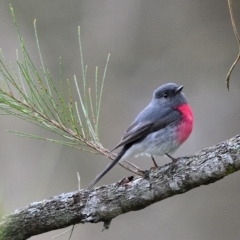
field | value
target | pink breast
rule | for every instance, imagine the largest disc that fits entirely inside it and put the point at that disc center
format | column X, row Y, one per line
column 184, row 129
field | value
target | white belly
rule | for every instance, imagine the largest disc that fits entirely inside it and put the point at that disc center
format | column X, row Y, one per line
column 155, row 144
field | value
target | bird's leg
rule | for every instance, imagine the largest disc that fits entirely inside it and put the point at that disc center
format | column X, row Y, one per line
column 174, row 160
column 154, row 162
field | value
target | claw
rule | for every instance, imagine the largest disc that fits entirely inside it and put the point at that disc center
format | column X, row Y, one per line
column 174, row 160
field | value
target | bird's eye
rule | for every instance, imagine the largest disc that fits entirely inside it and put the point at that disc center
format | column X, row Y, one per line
column 165, row 95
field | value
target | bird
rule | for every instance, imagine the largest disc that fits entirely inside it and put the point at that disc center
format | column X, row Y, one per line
column 159, row 129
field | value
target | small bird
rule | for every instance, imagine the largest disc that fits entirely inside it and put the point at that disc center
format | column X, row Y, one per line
column 158, row 130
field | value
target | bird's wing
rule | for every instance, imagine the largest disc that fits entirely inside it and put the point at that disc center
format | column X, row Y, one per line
column 138, row 130
column 134, row 132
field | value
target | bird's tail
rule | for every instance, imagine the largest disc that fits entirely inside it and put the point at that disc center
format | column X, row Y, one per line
column 108, row 167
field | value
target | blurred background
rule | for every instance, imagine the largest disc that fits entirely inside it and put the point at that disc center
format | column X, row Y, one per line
column 151, row 43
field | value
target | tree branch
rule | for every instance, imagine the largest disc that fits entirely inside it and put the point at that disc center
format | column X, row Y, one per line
column 107, row 202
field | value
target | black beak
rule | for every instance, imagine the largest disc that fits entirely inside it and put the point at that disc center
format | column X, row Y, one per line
column 179, row 89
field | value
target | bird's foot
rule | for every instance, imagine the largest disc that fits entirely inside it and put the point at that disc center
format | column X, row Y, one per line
column 174, row 160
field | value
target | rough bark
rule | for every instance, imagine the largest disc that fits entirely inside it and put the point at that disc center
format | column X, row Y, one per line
column 107, row 202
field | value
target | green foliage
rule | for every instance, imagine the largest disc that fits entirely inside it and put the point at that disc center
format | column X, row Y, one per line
column 34, row 97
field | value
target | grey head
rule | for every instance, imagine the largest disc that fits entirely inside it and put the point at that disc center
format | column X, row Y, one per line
column 169, row 95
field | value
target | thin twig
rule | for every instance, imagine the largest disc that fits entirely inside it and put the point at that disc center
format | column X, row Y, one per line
column 79, row 181
column 238, row 40
column 59, row 235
